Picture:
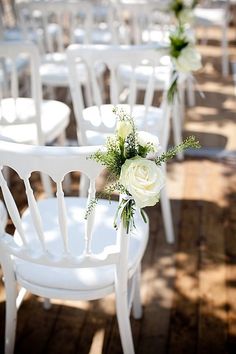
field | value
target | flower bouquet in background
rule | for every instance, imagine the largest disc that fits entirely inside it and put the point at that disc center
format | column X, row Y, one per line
column 183, row 10
column 184, row 56
column 133, row 160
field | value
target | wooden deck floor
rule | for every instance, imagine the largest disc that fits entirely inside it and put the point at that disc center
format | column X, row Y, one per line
column 189, row 289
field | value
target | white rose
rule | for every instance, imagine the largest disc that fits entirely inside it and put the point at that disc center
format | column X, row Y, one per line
column 188, row 60
column 143, row 179
column 144, row 138
column 188, row 3
column 124, row 128
column 186, row 16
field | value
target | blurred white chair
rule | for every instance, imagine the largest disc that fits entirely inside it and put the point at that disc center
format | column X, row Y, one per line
column 97, row 121
column 3, row 217
column 61, row 23
column 56, row 253
column 234, row 75
column 145, row 21
column 215, row 14
column 149, row 22
column 30, row 119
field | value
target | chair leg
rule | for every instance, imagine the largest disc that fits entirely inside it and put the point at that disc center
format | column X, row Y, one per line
column 124, row 322
column 11, row 314
column 84, row 186
column 190, row 92
column 137, row 306
column 51, row 93
column 177, row 126
column 46, row 184
column 47, row 304
column 225, row 58
column 167, row 216
column 87, row 94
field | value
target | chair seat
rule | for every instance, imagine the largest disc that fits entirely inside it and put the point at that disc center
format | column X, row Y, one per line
column 142, row 74
column 54, row 119
column 3, row 216
column 150, row 121
column 54, row 70
column 210, row 16
column 21, row 64
column 16, row 34
column 98, row 36
column 104, row 235
column 156, row 35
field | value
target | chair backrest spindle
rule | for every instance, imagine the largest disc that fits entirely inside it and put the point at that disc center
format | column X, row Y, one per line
column 62, row 218
column 11, row 207
column 113, row 58
column 55, row 162
column 35, row 212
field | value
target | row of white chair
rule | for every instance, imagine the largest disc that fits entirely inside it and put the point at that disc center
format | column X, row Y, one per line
column 55, row 252
column 94, row 123
column 37, row 121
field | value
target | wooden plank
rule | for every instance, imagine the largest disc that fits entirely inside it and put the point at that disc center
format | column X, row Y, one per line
column 34, row 326
column 158, row 274
column 212, row 291
column 95, row 333
column 230, row 249
column 67, row 329
column 183, row 324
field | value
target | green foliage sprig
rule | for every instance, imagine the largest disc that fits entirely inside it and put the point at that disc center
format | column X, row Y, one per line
column 178, row 6
column 189, row 142
column 119, row 149
column 178, row 41
column 122, row 147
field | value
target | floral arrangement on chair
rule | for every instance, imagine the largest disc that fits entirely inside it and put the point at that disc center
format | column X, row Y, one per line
column 183, row 52
column 183, row 10
column 133, row 159
column 184, row 56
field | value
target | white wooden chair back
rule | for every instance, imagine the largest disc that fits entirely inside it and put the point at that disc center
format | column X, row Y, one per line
column 58, row 22
column 64, row 16
column 11, row 82
column 113, row 57
column 144, row 20
column 56, row 162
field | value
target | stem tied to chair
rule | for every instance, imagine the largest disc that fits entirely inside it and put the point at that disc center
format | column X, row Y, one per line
column 185, row 59
column 133, row 159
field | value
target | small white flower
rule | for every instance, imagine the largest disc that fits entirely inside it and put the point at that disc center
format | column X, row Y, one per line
column 186, row 16
column 188, row 3
column 143, row 179
column 188, row 60
column 124, row 128
column 145, row 138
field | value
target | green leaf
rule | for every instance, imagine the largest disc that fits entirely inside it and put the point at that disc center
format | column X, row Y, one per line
column 189, row 142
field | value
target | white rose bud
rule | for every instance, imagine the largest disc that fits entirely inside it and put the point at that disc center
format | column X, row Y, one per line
column 186, row 16
column 144, row 138
column 143, row 179
column 124, row 128
column 188, row 3
column 188, row 60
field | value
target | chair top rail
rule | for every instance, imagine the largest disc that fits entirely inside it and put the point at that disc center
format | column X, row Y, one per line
column 132, row 54
column 10, row 53
column 56, row 162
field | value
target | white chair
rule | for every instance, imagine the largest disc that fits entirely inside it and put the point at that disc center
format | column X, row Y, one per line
column 215, row 14
column 71, row 21
column 31, row 119
column 55, row 252
column 3, row 217
column 94, row 123
column 146, row 21
column 149, row 22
